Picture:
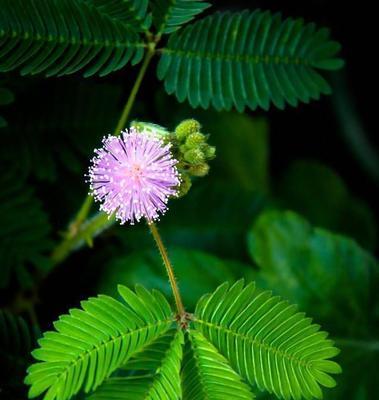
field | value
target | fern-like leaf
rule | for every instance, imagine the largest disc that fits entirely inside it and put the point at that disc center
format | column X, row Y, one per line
column 169, row 15
column 206, row 374
column 24, row 229
column 60, row 37
column 133, row 13
column 162, row 384
column 92, row 342
column 16, row 338
column 267, row 342
column 248, row 59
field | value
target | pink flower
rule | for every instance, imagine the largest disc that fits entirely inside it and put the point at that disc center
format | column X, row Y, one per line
column 133, row 176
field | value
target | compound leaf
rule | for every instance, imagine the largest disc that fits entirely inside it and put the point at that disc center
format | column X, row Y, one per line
column 92, row 342
column 163, row 383
column 248, row 59
column 207, row 374
column 60, row 37
column 169, row 15
column 267, row 341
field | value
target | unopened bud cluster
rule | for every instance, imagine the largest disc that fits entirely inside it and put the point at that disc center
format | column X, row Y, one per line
column 193, row 152
column 189, row 147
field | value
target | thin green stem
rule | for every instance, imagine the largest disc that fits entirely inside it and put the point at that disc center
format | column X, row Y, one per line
column 169, row 269
column 74, row 236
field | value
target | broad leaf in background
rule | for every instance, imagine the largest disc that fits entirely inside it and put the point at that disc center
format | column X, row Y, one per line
column 145, row 267
column 60, row 37
column 319, row 194
column 195, row 222
column 169, row 15
column 323, row 272
column 248, row 59
column 242, row 141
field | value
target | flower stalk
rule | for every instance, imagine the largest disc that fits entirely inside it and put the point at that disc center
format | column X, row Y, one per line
column 169, row 270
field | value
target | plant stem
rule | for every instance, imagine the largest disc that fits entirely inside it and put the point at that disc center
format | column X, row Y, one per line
column 169, row 269
column 74, row 236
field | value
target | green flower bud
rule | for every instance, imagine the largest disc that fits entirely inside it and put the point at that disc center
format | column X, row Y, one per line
column 209, row 152
column 185, row 185
column 194, row 156
column 194, row 139
column 183, row 148
column 199, row 170
column 154, row 129
column 186, row 127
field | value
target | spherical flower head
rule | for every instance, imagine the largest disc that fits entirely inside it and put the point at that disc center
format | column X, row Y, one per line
column 133, row 176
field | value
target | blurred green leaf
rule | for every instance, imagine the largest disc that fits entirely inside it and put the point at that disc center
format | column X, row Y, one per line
column 242, row 142
column 197, row 272
column 320, row 194
column 331, row 278
column 6, row 96
column 63, row 136
column 24, row 230
column 17, row 339
column 214, row 217
column 242, row 148
column 3, row 122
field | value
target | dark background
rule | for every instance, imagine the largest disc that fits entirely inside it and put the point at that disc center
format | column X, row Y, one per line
column 317, row 131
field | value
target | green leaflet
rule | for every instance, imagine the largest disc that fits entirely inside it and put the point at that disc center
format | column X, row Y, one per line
column 132, row 13
column 267, row 341
column 60, row 37
column 17, row 339
column 169, row 15
column 206, row 374
column 162, row 383
column 248, row 59
column 92, row 342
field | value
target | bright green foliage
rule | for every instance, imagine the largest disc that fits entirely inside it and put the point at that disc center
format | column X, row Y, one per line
column 235, row 339
column 169, row 15
column 132, row 13
column 24, row 229
column 162, row 382
column 207, row 374
column 267, row 341
column 248, row 59
column 60, row 37
column 92, row 342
